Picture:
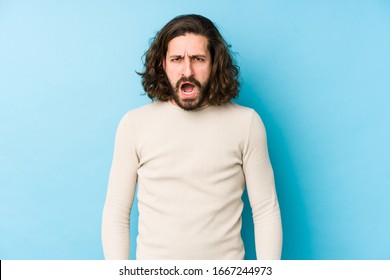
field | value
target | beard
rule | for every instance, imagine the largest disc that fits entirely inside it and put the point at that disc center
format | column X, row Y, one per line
column 190, row 104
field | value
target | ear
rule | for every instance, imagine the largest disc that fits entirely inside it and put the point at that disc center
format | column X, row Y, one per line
column 163, row 63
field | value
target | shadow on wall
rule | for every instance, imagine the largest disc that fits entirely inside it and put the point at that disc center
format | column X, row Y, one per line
column 297, row 241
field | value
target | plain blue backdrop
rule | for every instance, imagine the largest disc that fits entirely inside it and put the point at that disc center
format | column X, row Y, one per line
column 316, row 71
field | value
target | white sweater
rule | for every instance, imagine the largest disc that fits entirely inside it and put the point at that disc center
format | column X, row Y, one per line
column 191, row 168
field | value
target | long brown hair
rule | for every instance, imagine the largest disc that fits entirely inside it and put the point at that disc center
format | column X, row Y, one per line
column 223, row 82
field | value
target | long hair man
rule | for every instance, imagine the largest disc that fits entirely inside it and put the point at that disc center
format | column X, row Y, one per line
column 191, row 152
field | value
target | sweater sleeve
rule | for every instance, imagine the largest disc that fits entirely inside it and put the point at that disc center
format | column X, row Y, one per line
column 262, row 195
column 120, row 194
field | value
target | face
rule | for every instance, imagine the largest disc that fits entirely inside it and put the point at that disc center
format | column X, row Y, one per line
column 188, row 66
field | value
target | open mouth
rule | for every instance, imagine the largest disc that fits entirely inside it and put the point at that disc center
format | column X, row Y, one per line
column 188, row 89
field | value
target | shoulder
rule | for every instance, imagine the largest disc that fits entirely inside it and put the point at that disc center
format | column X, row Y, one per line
column 239, row 109
column 146, row 116
column 247, row 117
column 243, row 113
column 143, row 112
column 243, row 120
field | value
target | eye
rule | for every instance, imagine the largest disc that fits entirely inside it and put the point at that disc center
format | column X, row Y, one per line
column 198, row 58
column 175, row 59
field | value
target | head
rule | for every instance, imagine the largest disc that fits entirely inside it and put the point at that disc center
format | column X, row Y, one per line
column 189, row 63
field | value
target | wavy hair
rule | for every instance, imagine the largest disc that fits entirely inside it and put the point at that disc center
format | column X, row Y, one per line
column 223, row 83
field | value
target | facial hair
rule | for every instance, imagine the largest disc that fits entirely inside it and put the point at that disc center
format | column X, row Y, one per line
column 190, row 104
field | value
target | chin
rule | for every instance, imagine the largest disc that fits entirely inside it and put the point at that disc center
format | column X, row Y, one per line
column 189, row 104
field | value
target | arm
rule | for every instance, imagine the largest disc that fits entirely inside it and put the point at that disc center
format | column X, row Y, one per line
column 260, row 184
column 120, row 194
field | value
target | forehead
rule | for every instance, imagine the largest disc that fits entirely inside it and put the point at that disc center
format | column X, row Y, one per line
column 188, row 43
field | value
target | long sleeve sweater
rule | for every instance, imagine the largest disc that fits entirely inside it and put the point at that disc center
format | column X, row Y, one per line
column 191, row 168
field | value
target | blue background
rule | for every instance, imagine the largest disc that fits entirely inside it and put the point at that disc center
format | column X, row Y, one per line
column 316, row 71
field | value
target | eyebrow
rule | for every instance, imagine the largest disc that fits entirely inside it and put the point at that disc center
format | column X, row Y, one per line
column 191, row 56
column 198, row 56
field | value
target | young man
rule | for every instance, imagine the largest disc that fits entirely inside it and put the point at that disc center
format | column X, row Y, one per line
column 191, row 152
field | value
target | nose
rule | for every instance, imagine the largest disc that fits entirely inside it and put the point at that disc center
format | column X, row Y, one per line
column 187, row 68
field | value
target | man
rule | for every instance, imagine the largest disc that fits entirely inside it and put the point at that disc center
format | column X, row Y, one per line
column 191, row 153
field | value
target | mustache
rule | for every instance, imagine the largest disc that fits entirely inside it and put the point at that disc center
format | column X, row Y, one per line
column 190, row 79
